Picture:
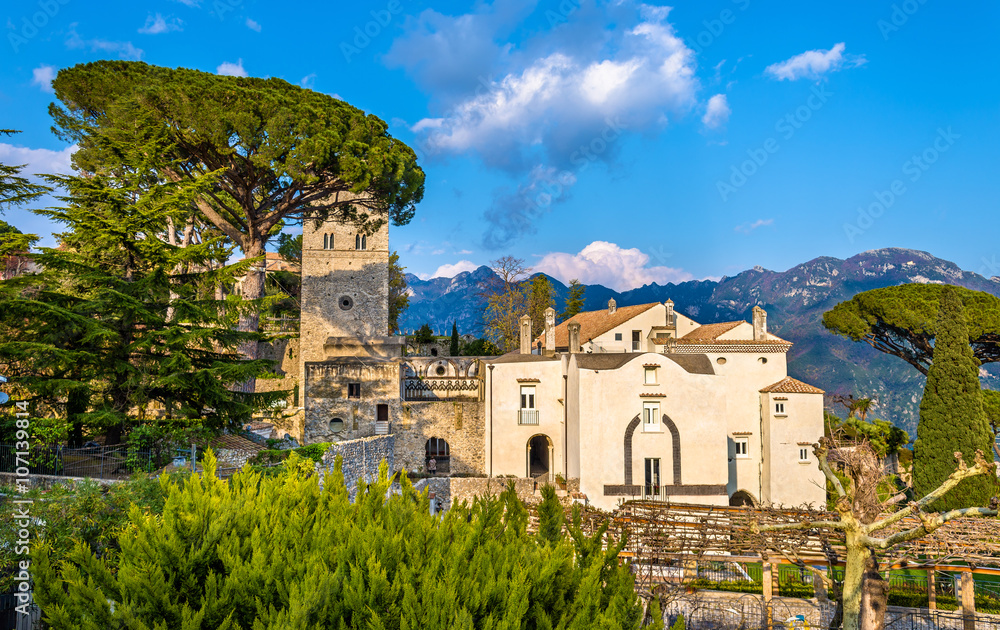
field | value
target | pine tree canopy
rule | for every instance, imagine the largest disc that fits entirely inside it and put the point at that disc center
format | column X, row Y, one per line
column 16, row 190
column 902, row 321
column 287, row 553
column 120, row 318
column 252, row 152
column 951, row 413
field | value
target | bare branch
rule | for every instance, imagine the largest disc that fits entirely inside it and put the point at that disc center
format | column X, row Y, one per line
column 982, row 467
column 821, row 450
column 928, row 523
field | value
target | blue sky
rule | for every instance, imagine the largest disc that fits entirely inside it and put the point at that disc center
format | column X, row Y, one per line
column 621, row 142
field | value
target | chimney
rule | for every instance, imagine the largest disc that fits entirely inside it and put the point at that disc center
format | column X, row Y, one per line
column 670, row 313
column 525, row 334
column 550, row 332
column 574, row 336
column 612, row 305
column 759, row 324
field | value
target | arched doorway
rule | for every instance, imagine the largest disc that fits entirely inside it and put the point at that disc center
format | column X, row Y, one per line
column 539, row 458
column 742, row 498
column 437, row 449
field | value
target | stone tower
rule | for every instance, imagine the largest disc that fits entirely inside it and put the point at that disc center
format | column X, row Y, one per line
column 345, row 293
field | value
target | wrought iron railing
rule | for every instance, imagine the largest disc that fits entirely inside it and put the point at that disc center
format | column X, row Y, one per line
column 442, row 388
column 527, row 416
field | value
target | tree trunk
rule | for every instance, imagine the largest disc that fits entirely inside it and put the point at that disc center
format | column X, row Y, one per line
column 252, row 289
column 76, row 404
column 857, row 554
column 874, row 597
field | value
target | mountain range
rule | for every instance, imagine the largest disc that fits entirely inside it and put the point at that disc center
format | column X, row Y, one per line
column 794, row 299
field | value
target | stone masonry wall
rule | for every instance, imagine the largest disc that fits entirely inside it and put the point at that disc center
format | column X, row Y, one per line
column 285, row 352
column 331, row 416
column 360, row 459
column 461, row 424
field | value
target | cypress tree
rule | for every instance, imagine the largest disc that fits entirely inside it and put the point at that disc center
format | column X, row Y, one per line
column 454, row 340
column 951, row 414
column 550, row 516
column 574, row 303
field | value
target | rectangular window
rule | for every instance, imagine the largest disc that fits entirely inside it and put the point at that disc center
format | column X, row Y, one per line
column 636, row 334
column 803, row 455
column 649, row 377
column 652, row 476
column 779, row 408
column 650, row 416
column 354, row 390
column 618, row 336
column 742, row 447
column 527, row 397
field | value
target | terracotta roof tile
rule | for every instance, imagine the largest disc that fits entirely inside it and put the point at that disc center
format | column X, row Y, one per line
column 709, row 332
column 789, row 385
column 596, row 323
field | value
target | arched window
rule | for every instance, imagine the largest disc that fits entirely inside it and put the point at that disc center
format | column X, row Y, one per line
column 326, row 241
column 437, row 448
column 438, row 452
column 357, row 241
column 364, row 242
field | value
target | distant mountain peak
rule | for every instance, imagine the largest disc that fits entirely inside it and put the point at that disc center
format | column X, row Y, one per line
column 795, row 300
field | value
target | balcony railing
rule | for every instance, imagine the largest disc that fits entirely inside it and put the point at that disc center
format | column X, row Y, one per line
column 442, row 388
column 527, row 416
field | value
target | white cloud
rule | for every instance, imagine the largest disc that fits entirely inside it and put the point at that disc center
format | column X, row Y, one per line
column 561, row 101
column 42, row 76
column 813, row 64
column 716, row 112
column 38, row 161
column 608, row 264
column 125, row 50
column 253, row 25
column 229, row 69
column 547, row 108
column 308, row 81
column 158, row 24
column 450, row 271
column 746, row 228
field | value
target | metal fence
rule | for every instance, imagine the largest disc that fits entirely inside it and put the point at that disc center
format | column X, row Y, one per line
column 94, row 462
column 750, row 612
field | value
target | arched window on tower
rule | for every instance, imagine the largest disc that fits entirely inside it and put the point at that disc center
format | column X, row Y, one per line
column 326, row 241
column 357, row 241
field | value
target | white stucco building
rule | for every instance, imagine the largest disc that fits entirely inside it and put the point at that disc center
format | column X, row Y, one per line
column 643, row 402
column 638, row 401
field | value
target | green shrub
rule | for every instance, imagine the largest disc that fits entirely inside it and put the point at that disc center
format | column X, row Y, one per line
column 679, row 624
column 280, row 553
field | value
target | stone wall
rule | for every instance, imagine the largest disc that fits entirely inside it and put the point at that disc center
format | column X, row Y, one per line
column 361, row 459
column 461, row 424
column 456, row 489
column 331, row 415
column 284, row 351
